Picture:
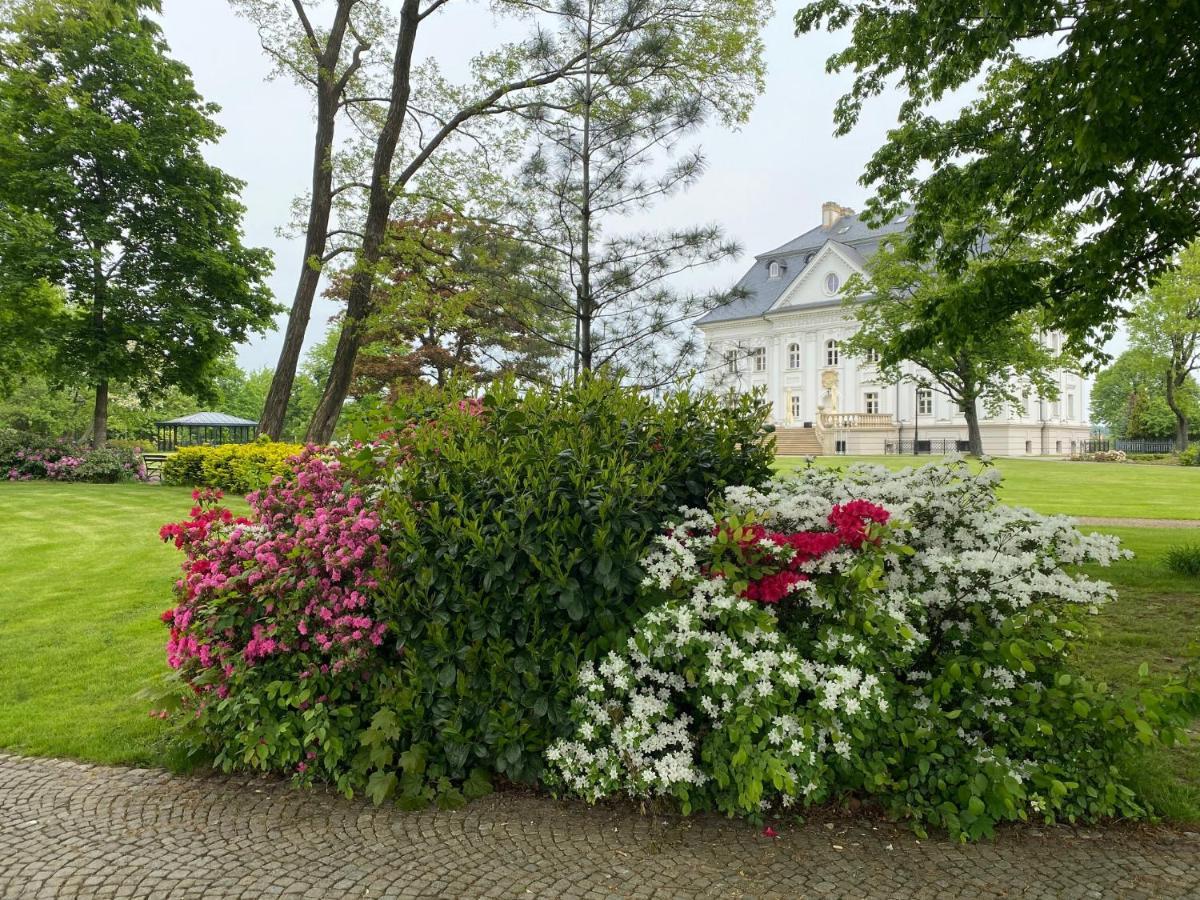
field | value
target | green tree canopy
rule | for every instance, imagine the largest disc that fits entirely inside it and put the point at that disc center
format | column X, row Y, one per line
column 1166, row 323
column 1130, row 397
column 988, row 368
column 101, row 134
column 1088, row 123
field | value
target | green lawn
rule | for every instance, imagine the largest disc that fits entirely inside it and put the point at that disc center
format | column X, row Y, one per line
column 1075, row 488
column 83, row 578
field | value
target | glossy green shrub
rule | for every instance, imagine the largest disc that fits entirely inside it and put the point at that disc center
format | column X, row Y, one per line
column 515, row 529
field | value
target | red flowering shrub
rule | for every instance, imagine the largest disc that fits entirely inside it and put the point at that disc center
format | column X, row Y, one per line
column 274, row 631
column 769, row 560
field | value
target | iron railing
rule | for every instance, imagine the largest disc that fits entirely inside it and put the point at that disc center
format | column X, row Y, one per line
column 939, row 447
column 1101, row 445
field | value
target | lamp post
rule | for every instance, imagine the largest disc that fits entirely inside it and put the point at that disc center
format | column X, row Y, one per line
column 916, row 419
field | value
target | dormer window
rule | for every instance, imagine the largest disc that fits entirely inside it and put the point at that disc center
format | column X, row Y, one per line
column 832, row 283
column 773, row 269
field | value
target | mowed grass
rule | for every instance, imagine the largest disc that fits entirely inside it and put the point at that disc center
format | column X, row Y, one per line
column 1155, row 619
column 83, row 578
column 1120, row 490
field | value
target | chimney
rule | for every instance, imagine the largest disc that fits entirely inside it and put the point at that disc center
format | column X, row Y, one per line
column 831, row 212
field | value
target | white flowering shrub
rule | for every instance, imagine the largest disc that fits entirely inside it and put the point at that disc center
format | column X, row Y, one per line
column 899, row 636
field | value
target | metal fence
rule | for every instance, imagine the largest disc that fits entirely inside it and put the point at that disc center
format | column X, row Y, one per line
column 1100, row 445
column 939, row 447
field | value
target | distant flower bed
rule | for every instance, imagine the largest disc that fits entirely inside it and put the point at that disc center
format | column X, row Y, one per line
column 895, row 636
column 25, row 457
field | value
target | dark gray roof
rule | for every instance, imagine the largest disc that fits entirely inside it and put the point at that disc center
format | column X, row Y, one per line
column 851, row 234
column 208, row 418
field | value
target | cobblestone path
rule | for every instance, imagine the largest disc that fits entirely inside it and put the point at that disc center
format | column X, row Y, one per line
column 71, row 830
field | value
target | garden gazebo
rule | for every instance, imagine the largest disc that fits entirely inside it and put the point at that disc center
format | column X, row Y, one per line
column 204, row 428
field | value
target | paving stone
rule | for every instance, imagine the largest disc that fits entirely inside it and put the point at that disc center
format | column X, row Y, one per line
column 74, row 830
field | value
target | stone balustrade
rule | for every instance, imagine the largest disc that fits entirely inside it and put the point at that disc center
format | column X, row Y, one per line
column 857, row 420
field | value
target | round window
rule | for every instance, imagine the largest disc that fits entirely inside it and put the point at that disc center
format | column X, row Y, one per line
column 832, row 283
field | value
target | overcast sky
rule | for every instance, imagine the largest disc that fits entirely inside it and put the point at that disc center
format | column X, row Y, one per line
column 764, row 184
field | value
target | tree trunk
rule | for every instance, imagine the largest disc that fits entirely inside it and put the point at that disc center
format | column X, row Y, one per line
column 585, row 311
column 275, row 409
column 974, row 435
column 1181, row 417
column 100, row 416
column 329, row 95
column 358, row 300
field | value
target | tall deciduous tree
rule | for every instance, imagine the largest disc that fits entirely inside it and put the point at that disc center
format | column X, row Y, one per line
column 101, row 133
column 412, row 131
column 1167, row 323
column 982, row 369
column 1088, row 122
column 608, row 145
column 330, row 60
column 1130, row 397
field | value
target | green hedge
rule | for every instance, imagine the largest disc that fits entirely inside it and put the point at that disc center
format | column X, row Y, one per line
column 515, row 534
column 235, row 468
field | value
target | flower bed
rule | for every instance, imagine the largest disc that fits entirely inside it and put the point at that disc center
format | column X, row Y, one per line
column 899, row 637
column 509, row 534
column 25, row 457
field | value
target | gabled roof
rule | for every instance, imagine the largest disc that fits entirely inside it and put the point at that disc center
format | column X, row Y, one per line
column 208, row 418
column 857, row 241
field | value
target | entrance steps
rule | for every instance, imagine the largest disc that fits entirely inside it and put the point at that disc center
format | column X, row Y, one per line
column 797, row 442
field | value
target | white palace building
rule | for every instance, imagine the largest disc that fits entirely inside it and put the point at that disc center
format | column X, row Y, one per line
column 784, row 335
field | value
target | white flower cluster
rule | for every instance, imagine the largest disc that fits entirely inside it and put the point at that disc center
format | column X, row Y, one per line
column 717, row 692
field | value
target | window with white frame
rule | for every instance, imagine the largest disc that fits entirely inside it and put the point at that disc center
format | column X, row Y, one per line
column 773, row 269
column 759, row 356
column 796, row 411
column 832, row 354
column 832, row 283
column 1070, row 406
column 872, row 356
column 793, row 356
column 731, row 361
column 871, row 402
column 924, row 402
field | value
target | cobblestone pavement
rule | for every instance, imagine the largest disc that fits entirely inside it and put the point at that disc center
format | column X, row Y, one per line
column 71, row 830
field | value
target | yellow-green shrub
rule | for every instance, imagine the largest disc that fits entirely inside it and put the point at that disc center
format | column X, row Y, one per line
column 235, row 468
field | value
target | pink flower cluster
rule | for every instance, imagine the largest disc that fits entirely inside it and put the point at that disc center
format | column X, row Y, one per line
column 290, row 583
column 850, row 521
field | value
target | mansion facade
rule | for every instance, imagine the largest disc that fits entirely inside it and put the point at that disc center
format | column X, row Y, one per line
column 784, row 335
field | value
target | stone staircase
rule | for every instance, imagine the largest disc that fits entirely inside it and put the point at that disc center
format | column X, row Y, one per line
column 797, row 442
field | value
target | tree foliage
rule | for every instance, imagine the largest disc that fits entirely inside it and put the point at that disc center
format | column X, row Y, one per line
column 424, row 121
column 450, row 303
column 1130, row 398
column 608, row 143
column 991, row 367
column 1167, row 323
column 1087, row 122
column 102, row 135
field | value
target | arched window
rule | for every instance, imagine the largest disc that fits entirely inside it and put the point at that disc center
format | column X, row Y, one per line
column 793, row 356
column 832, row 283
column 831, row 353
column 773, row 269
